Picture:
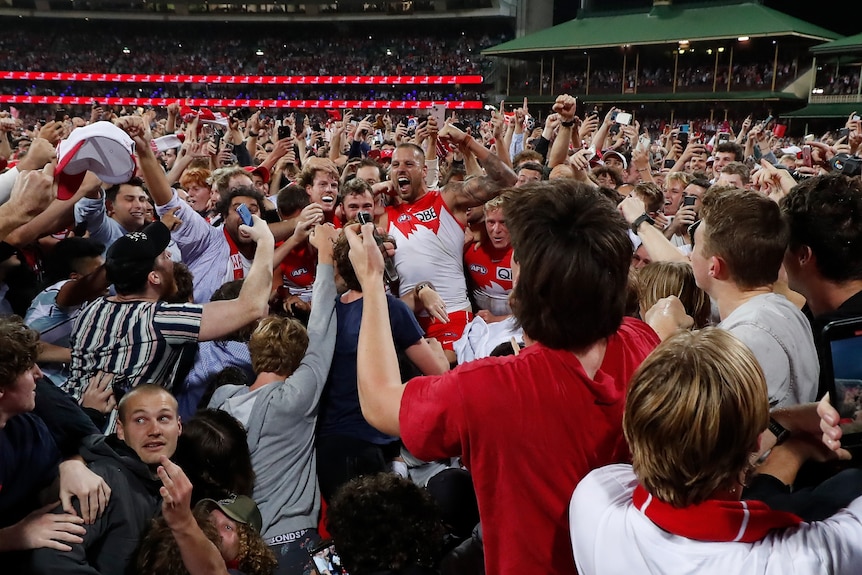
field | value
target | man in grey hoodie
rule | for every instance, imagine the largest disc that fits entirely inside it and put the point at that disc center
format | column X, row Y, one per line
column 147, row 428
column 279, row 411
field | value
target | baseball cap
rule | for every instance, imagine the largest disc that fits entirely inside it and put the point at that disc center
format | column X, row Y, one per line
column 622, row 158
column 239, row 508
column 101, row 148
column 136, row 252
column 261, row 171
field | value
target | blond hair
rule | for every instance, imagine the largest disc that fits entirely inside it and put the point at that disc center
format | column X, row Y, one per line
column 277, row 345
column 661, row 279
column 694, row 411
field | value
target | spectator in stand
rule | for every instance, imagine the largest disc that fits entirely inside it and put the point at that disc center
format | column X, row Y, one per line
column 548, row 223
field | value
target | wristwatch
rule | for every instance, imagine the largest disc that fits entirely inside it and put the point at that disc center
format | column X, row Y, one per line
column 568, row 123
column 779, row 431
column 644, row 217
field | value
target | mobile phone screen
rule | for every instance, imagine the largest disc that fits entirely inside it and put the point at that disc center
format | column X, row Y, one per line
column 326, row 559
column 843, row 364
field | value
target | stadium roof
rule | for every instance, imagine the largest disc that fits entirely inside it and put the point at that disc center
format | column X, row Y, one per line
column 662, row 25
column 848, row 44
column 825, row 110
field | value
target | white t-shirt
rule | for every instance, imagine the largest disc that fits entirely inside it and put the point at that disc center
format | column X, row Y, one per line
column 611, row 536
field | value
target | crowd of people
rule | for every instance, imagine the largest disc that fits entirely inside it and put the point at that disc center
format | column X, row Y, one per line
column 652, row 78
column 247, row 51
column 280, row 343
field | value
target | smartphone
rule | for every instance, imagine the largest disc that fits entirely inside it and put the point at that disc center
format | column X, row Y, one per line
column 723, row 137
column 669, row 164
column 841, row 365
column 283, row 132
column 806, row 156
column 855, row 118
column 624, row 118
column 614, row 116
column 324, row 558
column 390, row 273
column 767, row 121
column 120, row 385
column 683, row 139
column 245, row 214
column 438, row 112
column 684, row 128
column 844, row 133
column 60, row 115
column 689, row 200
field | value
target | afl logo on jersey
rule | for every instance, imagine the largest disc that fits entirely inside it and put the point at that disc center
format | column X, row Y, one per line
column 403, row 218
column 478, row 269
column 298, row 272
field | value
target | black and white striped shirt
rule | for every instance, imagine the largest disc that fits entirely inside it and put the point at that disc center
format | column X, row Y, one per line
column 139, row 339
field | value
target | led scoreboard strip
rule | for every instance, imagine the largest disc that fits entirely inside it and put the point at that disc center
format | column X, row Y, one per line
column 241, row 103
column 239, row 79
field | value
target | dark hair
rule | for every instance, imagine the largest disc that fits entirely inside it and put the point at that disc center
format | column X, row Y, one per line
column 111, row 193
column 385, row 522
column 825, row 214
column 372, row 163
column 452, row 171
column 414, row 148
column 68, row 255
column 185, row 284
column 744, row 228
column 608, row 171
column 223, row 204
column 213, row 451
column 530, row 165
column 732, row 147
column 291, row 199
column 355, row 187
column 129, row 276
column 700, row 182
column 574, row 252
column 341, row 259
column 19, row 346
column 651, row 195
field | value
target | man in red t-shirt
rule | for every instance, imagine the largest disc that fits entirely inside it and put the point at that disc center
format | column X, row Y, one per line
column 528, row 427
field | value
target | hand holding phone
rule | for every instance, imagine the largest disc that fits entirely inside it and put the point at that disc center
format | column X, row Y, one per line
column 390, row 273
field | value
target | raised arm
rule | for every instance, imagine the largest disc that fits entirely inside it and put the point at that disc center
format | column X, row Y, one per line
column 154, row 175
column 378, row 377
column 462, row 195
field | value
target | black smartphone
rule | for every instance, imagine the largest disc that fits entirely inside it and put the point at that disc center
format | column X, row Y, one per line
column 60, row 115
column 120, row 385
column 283, row 132
column 245, row 214
column 683, row 139
column 844, row 133
column 689, row 200
column 669, row 164
column 843, row 371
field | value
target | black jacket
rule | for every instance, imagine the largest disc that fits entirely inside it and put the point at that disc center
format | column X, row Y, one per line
column 112, row 540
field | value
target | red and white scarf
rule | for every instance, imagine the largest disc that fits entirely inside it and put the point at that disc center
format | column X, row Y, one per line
column 714, row 519
column 235, row 257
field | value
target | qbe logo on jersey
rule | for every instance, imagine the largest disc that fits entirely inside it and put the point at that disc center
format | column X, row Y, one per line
column 426, row 216
column 504, row 274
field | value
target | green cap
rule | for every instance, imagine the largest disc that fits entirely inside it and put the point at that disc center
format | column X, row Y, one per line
column 240, row 508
